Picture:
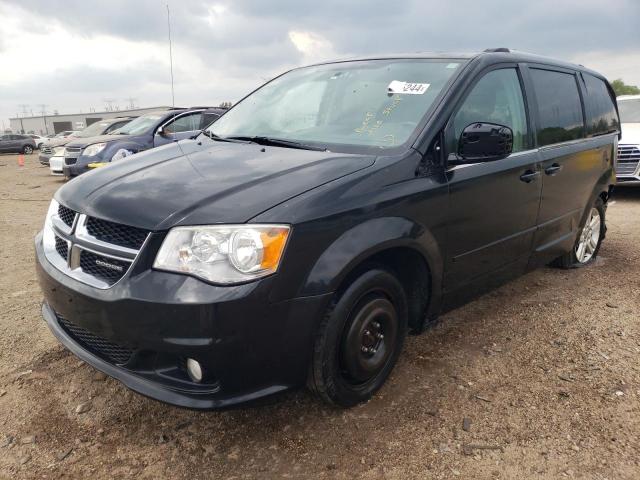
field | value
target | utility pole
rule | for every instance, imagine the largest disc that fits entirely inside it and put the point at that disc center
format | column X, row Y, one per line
column 132, row 103
column 173, row 97
column 43, row 111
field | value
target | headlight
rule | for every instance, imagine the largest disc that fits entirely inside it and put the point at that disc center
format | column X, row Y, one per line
column 223, row 254
column 94, row 149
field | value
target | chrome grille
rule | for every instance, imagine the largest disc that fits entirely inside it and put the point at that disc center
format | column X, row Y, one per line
column 46, row 149
column 107, row 269
column 116, row 233
column 91, row 250
column 66, row 215
column 628, row 159
column 100, row 346
column 62, row 247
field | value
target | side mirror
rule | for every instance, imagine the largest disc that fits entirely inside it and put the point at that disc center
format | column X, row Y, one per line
column 484, row 142
column 161, row 131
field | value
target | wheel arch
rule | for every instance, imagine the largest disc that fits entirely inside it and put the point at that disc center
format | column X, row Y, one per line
column 397, row 244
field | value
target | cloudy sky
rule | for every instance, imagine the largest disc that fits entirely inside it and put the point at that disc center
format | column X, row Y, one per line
column 73, row 54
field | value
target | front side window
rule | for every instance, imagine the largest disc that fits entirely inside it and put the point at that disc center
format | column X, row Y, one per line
column 602, row 117
column 186, row 123
column 496, row 98
column 374, row 103
column 559, row 106
column 629, row 110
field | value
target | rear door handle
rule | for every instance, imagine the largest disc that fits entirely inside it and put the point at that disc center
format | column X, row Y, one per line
column 553, row 169
column 529, row 176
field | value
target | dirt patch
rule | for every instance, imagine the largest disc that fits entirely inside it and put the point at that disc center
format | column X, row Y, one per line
column 545, row 371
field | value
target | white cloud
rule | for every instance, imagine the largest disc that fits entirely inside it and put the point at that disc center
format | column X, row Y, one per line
column 25, row 47
column 313, row 46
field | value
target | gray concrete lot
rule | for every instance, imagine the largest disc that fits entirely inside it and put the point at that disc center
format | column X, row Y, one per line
column 539, row 379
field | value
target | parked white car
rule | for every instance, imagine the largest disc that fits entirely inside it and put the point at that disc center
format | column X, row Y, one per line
column 39, row 140
column 628, row 168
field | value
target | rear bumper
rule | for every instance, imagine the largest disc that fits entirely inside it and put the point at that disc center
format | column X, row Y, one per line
column 249, row 347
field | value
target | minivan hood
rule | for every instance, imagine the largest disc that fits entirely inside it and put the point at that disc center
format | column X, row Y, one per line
column 630, row 134
column 188, row 183
column 85, row 142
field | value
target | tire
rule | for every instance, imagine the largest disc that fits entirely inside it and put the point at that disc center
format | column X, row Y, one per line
column 587, row 245
column 27, row 149
column 359, row 339
column 39, row 146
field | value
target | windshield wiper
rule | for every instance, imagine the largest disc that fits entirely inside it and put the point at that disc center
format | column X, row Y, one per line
column 218, row 138
column 278, row 142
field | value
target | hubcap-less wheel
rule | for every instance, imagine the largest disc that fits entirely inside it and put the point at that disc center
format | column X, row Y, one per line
column 369, row 340
column 589, row 237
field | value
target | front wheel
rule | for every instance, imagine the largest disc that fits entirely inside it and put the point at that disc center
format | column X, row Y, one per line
column 27, row 149
column 589, row 240
column 359, row 339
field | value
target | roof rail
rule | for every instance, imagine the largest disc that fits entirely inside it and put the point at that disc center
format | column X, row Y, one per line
column 498, row 50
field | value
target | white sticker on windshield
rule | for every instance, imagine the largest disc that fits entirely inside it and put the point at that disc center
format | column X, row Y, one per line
column 408, row 88
column 452, row 65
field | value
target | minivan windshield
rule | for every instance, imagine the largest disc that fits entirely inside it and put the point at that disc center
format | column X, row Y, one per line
column 629, row 110
column 373, row 103
column 138, row 126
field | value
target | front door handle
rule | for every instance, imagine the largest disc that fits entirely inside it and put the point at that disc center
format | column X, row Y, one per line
column 553, row 169
column 529, row 176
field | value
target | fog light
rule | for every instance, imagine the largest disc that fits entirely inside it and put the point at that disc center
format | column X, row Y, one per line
column 194, row 369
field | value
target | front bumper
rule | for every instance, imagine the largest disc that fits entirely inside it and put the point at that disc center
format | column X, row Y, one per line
column 56, row 164
column 249, row 347
column 44, row 158
column 79, row 166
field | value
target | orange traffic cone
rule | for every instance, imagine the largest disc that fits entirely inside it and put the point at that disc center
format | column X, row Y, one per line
column 21, row 160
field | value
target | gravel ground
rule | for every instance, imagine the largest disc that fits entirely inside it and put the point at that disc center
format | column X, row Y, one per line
column 539, row 379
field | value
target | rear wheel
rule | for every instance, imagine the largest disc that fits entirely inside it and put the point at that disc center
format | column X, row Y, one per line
column 27, row 149
column 359, row 339
column 589, row 240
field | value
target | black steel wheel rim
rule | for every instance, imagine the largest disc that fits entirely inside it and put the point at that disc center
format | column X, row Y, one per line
column 369, row 339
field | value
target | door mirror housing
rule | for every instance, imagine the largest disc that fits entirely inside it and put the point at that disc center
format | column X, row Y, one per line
column 162, row 132
column 485, row 142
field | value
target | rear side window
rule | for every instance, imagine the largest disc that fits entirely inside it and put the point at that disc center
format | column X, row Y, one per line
column 601, row 112
column 559, row 107
column 496, row 98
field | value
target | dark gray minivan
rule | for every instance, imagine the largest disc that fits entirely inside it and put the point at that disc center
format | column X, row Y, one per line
column 297, row 239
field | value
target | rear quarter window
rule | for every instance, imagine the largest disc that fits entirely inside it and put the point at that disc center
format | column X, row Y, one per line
column 559, row 107
column 601, row 111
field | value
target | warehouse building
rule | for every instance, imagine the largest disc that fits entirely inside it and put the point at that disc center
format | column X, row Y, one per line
column 47, row 124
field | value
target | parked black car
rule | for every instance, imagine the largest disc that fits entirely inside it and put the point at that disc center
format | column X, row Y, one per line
column 300, row 237
column 102, row 127
column 16, row 143
column 147, row 131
